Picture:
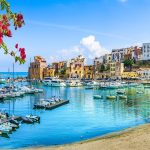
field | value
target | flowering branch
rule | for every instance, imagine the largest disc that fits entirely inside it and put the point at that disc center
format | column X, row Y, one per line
column 5, row 22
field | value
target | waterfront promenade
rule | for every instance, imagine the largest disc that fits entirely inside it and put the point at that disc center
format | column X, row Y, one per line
column 137, row 138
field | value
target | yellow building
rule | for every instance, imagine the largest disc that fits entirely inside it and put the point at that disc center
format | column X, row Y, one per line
column 102, row 75
column 112, row 69
column 36, row 68
column 49, row 72
column 62, row 65
column 116, row 69
column 89, row 72
column 76, row 67
column 129, row 75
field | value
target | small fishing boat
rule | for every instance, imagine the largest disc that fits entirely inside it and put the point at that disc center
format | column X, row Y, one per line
column 111, row 97
column 2, row 81
column 27, row 120
column 147, row 86
column 4, row 130
column 120, row 91
column 97, row 96
column 122, row 96
column 89, row 87
column 14, row 122
column 139, row 92
column 33, row 118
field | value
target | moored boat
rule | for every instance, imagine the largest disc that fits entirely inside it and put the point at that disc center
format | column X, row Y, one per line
column 111, row 97
column 97, row 96
column 122, row 97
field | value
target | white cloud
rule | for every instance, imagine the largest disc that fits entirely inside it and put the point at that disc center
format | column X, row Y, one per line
column 93, row 47
column 88, row 47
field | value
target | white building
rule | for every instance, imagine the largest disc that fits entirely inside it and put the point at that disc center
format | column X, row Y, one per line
column 144, row 73
column 137, row 53
column 118, row 54
column 146, row 51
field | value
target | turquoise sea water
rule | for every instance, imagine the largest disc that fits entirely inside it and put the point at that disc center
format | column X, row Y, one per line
column 81, row 119
column 10, row 75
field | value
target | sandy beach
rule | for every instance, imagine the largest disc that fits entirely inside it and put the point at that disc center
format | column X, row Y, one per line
column 137, row 138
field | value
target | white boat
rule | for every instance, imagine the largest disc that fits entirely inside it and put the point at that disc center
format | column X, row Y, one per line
column 97, row 96
column 71, row 83
column 139, row 92
column 114, row 85
column 122, row 96
column 2, row 81
column 4, row 130
column 93, row 83
column 33, row 117
column 47, row 81
column 120, row 91
column 57, row 83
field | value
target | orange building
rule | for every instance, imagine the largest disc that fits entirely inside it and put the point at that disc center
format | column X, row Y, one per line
column 36, row 68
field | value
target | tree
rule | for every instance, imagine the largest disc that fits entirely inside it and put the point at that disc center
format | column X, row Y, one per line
column 102, row 68
column 128, row 63
column 7, row 20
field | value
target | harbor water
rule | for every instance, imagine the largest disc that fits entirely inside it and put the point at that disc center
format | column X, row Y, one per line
column 83, row 118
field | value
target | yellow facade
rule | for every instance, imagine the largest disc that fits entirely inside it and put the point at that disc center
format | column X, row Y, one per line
column 116, row 69
column 102, row 75
column 49, row 72
column 36, row 68
column 76, row 67
column 129, row 75
column 88, row 72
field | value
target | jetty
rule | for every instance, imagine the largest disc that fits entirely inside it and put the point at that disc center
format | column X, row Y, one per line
column 51, row 106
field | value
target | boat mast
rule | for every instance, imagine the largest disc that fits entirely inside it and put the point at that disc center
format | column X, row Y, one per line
column 13, row 74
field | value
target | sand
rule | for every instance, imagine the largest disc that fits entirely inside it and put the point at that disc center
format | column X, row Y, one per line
column 137, row 138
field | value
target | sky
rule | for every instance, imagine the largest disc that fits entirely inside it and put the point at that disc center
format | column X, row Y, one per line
column 63, row 29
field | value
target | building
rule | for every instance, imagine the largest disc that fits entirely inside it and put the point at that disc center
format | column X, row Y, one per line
column 102, row 75
column 107, row 58
column 76, row 67
column 128, row 53
column 98, row 61
column 137, row 53
column 49, row 71
column 119, row 69
column 36, row 68
column 89, row 72
column 146, row 51
column 118, row 55
column 55, row 66
column 144, row 73
column 116, row 70
column 129, row 75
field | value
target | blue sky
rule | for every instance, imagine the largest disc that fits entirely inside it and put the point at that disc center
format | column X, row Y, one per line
column 60, row 29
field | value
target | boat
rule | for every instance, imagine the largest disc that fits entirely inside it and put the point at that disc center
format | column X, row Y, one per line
column 110, row 97
column 93, row 83
column 71, row 83
column 122, row 96
column 27, row 120
column 139, row 92
column 89, row 87
column 97, row 96
column 33, row 118
column 2, row 81
column 147, row 86
column 4, row 130
column 114, row 85
column 57, row 83
column 120, row 91
column 47, row 80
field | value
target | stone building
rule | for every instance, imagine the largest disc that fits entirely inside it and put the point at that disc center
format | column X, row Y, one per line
column 36, row 68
